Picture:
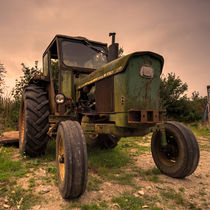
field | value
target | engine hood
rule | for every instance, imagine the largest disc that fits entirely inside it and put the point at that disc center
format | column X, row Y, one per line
column 114, row 67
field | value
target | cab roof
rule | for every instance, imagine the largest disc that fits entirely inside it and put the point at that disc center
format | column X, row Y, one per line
column 72, row 38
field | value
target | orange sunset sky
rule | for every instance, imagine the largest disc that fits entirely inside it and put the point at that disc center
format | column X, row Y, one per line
column 178, row 30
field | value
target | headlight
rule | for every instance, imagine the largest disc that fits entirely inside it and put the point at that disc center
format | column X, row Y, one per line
column 59, row 98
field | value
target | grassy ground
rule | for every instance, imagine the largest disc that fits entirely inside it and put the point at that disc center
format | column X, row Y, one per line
column 121, row 178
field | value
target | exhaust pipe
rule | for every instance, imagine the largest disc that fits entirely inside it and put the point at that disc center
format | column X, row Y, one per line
column 113, row 48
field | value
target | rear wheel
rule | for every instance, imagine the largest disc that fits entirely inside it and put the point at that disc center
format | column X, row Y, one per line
column 71, row 158
column 33, row 122
column 102, row 141
column 181, row 155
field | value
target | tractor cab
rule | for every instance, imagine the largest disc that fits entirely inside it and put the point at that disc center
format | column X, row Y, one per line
column 75, row 53
column 67, row 60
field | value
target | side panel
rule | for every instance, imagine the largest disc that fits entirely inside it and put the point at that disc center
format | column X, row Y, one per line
column 134, row 92
column 66, row 83
column 104, row 95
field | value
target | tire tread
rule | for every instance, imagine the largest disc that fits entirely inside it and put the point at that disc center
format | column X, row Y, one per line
column 36, row 116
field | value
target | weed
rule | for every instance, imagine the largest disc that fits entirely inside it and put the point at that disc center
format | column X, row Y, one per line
column 114, row 158
column 150, row 174
column 92, row 206
column 46, row 180
column 52, row 169
column 205, row 205
column 93, row 183
column 122, row 178
column 204, row 147
column 133, row 143
column 107, row 162
column 32, row 163
column 128, row 201
column 107, row 173
column 172, row 195
column 72, row 204
column 3, row 191
column 192, row 206
column 50, row 151
column 181, row 189
column 125, row 179
column 9, row 168
column 192, row 196
column 21, row 198
column 202, row 192
column 12, row 183
column 103, row 205
column 199, row 130
column 154, row 178
column 32, row 183
column 48, row 157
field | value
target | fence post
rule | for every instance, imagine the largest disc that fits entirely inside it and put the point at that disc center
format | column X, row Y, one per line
column 208, row 95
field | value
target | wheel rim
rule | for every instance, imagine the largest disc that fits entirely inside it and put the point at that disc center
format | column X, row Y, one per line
column 61, row 159
column 22, row 125
column 169, row 154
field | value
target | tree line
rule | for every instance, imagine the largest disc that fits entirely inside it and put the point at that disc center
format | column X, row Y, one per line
column 173, row 98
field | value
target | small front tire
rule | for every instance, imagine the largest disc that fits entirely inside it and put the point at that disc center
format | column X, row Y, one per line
column 71, row 158
column 181, row 155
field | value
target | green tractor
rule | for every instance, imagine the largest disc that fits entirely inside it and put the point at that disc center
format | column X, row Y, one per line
column 89, row 95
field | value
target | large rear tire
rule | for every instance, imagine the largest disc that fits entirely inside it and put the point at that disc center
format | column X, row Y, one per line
column 71, row 158
column 33, row 122
column 181, row 155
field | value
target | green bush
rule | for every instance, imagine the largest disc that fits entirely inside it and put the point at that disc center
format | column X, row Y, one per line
column 178, row 106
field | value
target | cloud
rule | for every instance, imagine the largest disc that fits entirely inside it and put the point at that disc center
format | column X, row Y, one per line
column 178, row 30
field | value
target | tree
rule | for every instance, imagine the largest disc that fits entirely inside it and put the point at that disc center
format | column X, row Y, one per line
column 28, row 74
column 177, row 104
column 2, row 75
column 199, row 104
column 171, row 89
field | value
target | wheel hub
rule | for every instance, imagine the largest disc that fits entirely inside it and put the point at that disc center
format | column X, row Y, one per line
column 61, row 158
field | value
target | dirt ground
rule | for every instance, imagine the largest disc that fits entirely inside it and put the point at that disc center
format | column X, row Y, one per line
column 194, row 190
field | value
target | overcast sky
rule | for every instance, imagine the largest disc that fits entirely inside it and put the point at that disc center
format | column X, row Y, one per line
column 178, row 30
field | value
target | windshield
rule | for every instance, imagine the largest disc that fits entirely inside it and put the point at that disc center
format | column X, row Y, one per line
column 83, row 54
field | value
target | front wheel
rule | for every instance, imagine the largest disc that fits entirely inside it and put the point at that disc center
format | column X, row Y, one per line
column 71, row 158
column 181, row 155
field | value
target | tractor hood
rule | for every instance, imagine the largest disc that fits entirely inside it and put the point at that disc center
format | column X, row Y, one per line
column 114, row 67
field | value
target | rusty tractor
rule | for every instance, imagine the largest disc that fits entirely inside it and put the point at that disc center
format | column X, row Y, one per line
column 87, row 94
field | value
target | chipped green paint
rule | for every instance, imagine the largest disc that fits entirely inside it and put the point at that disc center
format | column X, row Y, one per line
column 141, row 130
column 139, row 93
